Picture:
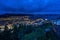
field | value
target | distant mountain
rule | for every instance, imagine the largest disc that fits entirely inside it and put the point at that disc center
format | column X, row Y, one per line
column 8, row 15
column 48, row 16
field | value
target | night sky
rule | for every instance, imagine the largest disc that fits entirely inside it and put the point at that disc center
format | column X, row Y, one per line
column 30, row 6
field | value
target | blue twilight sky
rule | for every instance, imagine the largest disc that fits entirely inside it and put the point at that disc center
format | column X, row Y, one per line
column 30, row 6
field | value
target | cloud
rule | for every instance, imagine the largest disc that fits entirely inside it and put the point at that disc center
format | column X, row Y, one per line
column 30, row 6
